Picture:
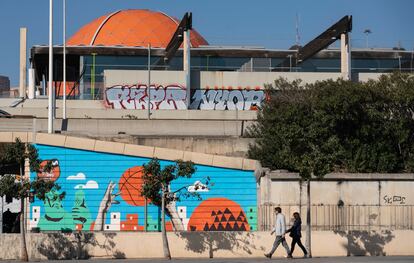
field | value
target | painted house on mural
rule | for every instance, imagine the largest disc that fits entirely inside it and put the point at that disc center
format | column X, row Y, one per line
column 108, row 59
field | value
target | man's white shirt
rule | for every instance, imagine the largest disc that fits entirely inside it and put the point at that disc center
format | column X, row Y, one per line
column 280, row 225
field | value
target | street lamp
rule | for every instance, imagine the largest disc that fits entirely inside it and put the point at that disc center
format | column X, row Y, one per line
column 64, row 60
column 50, row 104
column 367, row 32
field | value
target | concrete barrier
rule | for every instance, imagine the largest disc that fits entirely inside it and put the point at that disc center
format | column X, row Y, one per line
column 130, row 149
column 202, row 244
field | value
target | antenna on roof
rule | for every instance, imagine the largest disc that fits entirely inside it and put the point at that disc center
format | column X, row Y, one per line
column 297, row 41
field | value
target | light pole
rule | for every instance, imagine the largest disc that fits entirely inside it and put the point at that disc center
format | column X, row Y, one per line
column 367, row 32
column 1, row 215
column 64, row 60
column 50, row 105
column 149, row 82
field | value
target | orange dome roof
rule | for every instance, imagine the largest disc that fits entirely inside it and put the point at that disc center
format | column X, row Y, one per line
column 132, row 28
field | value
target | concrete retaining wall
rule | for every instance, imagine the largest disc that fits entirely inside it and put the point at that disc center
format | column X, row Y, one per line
column 202, row 245
column 211, row 79
column 341, row 201
column 113, row 127
column 130, row 149
column 221, row 145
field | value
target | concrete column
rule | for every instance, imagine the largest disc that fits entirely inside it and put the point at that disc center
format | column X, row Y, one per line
column 23, row 58
column 187, row 65
column 31, row 91
column 346, row 56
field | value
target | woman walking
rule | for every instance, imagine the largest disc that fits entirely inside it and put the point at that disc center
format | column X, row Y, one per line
column 296, row 234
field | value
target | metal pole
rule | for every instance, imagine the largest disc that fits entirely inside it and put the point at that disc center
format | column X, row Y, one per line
column 346, row 56
column 146, row 215
column 50, row 92
column 1, row 215
column 93, row 76
column 399, row 62
column 64, row 59
column 149, row 82
column 187, row 65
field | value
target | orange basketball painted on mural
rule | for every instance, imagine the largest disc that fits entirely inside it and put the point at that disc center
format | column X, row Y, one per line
column 54, row 172
column 130, row 185
column 218, row 214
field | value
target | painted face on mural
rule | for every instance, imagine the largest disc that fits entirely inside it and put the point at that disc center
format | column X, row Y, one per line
column 53, row 206
column 51, row 173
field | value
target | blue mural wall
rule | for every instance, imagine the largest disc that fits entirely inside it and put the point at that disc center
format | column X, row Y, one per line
column 102, row 193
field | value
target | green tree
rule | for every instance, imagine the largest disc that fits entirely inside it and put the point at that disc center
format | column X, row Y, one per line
column 157, row 188
column 314, row 129
column 21, row 187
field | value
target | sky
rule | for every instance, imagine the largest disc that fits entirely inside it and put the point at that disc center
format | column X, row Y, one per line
column 265, row 23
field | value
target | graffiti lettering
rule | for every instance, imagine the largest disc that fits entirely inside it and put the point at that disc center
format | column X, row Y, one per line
column 174, row 97
column 396, row 199
column 227, row 99
column 136, row 97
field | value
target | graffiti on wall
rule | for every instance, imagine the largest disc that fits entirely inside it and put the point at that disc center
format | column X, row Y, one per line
column 136, row 97
column 174, row 97
column 224, row 99
column 394, row 199
column 102, row 193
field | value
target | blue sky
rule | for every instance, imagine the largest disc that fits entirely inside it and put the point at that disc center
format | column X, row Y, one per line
column 268, row 23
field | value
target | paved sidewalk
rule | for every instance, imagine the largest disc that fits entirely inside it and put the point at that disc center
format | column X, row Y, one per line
column 248, row 260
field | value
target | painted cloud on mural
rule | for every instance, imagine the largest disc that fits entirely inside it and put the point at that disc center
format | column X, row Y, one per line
column 89, row 185
column 78, row 176
column 198, row 187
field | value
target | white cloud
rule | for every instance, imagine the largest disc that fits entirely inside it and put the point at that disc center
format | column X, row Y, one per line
column 89, row 185
column 198, row 187
column 79, row 176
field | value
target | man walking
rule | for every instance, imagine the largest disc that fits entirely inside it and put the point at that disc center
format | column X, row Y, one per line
column 280, row 230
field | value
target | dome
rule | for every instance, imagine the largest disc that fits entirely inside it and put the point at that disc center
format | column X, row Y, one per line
column 131, row 28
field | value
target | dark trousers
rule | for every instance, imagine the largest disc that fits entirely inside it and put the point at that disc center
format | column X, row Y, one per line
column 296, row 240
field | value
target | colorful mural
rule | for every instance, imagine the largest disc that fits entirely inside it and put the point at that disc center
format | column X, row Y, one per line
column 103, row 194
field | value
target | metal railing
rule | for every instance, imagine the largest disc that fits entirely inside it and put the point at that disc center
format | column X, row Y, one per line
column 344, row 218
column 17, row 124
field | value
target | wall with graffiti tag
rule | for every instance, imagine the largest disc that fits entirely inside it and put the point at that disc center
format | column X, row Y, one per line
column 224, row 99
column 136, row 97
column 175, row 97
column 102, row 193
column 127, row 89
